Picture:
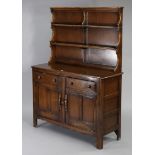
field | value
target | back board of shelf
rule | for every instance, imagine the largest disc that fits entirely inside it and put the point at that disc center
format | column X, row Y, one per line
column 87, row 36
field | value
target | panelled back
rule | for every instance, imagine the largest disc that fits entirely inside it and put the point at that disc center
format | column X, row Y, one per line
column 69, row 54
column 105, row 57
column 87, row 36
column 106, row 36
column 68, row 35
column 74, row 16
column 103, row 17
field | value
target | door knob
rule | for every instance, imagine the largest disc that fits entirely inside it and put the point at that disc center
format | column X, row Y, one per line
column 89, row 86
column 55, row 80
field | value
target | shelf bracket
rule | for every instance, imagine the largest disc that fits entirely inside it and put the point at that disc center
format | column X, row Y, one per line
column 84, row 18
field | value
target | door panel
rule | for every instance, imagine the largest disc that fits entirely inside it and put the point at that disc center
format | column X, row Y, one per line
column 43, row 98
column 48, row 103
column 54, row 105
column 88, row 109
column 74, row 107
column 80, row 112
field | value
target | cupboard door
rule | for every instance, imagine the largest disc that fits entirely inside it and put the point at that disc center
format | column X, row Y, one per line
column 49, row 103
column 80, row 112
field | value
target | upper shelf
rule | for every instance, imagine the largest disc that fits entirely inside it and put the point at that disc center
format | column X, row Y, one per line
column 93, row 18
column 82, row 46
column 112, row 9
column 87, row 37
column 85, row 26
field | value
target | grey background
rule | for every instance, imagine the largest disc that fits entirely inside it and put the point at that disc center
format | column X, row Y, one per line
column 49, row 139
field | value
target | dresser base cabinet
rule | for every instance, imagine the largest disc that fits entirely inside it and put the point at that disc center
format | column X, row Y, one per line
column 90, row 105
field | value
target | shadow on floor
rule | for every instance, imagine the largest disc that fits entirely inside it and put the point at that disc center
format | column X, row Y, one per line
column 75, row 135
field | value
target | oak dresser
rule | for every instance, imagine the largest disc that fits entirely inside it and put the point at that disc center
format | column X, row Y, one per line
column 80, row 87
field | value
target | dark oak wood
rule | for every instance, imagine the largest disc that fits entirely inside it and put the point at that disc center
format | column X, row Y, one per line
column 100, row 28
column 84, row 46
column 80, row 87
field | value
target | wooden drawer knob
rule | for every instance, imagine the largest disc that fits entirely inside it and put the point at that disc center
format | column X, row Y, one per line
column 55, row 80
column 39, row 77
column 89, row 86
column 72, row 83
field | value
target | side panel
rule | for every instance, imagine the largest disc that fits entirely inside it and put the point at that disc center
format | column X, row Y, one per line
column 112, row 104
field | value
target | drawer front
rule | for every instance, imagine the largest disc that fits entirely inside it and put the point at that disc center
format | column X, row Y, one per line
column 47, row 79
column 81, row 87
